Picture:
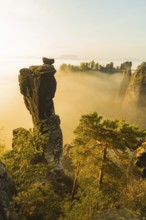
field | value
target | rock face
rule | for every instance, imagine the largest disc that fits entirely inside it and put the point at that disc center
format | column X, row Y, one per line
column 132, row 95
column 127, row 73
column 126, row 66
column 7, row 189
column 136, row 92
column 38, row 87
column 138, row 165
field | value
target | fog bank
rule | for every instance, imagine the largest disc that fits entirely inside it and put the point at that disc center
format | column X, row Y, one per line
column 77, row 94
column 82, row 93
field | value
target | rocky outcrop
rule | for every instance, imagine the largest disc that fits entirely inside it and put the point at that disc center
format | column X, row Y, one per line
column 126, row 66
column 38, row 87
column 7, row 189
column 138, row 164
column 132, row 95
column 127, row 73
column 136, row 92
column 55, row 174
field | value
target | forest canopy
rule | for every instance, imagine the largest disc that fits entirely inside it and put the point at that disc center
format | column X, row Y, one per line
column 92, row 66
column 97, row 160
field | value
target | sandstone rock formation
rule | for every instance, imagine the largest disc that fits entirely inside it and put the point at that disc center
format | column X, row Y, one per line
column 126, row 66
column 132, row 95
column 136, row 92
column 7, row 189
column 138, row 164
column 133, row 101
column 38, row 87
column 127, row 73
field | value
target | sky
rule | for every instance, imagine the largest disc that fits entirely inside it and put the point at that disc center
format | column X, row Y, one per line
column 86, row 28
column 90, row 29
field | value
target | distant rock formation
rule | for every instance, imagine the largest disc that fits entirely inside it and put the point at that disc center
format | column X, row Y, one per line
column 136, row 92
column 7, row 189
column 126, row 66
column 132, row 94
column 38, row 87
column 133, row 101
column 127, row 73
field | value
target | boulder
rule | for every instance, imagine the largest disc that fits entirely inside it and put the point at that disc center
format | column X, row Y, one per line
column 48, row 61
column 138, row 164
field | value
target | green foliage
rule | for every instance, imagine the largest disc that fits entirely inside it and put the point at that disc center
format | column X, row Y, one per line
column 100, row 154
column 94, row 133
column 99, row 157
column 133, row 196
column 90, row 66
column 2, row 150
column 118, row 133
column 35, row 196
column 121, row 214
column 38, row 201
column 27, row 153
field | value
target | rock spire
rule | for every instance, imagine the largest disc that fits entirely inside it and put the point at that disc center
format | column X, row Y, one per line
column 38, row 87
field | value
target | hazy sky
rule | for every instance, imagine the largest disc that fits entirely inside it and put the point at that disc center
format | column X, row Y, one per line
column 86, row 28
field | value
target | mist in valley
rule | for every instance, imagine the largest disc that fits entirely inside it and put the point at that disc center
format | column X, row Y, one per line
column 77, row 94
column 81, row 93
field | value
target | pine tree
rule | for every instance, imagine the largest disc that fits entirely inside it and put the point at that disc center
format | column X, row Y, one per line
column 100, row 155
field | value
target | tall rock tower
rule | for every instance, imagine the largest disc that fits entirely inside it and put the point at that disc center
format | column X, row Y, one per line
column 127, row 73
column 38, row 87
column 134, row 96
column 136, row 92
